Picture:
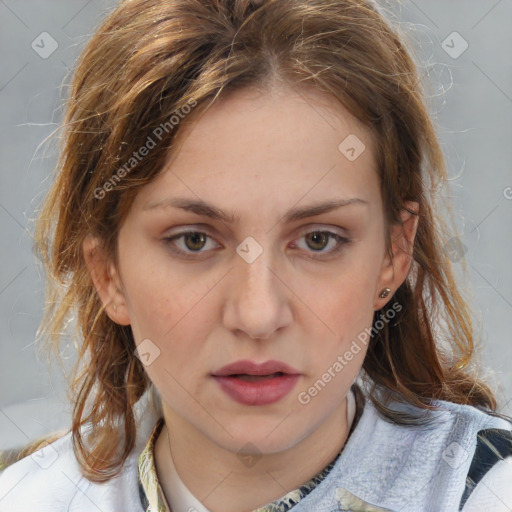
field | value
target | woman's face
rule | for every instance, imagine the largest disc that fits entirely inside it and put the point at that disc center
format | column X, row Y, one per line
column 262, row 277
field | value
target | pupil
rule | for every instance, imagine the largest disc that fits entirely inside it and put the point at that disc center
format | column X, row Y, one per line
column 318, row 238
column 197, row 238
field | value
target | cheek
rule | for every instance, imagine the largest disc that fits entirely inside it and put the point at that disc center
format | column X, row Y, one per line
column 348, row 298
column 157, row 296
column 345, row 305
column 175, row 315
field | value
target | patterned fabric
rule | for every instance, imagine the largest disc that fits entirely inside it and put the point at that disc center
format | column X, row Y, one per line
column 492, row 446
column 347, row 502
column 150, row 491
column 153, row 499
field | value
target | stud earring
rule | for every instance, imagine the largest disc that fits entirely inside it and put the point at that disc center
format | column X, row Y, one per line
column 385, row 292
column 114, row 307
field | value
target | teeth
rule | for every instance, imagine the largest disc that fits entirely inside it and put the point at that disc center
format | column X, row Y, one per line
column 255, row 378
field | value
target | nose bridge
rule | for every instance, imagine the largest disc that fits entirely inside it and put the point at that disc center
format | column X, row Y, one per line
column 255, row 271
column 258, row 303
column 258, row 276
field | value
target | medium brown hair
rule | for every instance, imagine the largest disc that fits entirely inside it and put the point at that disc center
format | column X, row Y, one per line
column 152, row 59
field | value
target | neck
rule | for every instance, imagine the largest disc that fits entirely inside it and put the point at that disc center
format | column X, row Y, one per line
column 215, row 476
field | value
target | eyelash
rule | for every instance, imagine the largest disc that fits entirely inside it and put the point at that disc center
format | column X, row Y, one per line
column 342, row 242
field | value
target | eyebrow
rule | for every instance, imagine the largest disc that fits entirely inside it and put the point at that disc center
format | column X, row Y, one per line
column 200, row 207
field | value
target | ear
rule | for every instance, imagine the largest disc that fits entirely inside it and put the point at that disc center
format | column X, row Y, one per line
column 394, row 271
column 106, row 280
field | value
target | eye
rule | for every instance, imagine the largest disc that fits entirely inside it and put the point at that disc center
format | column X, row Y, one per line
column 188, row 243
column 319, row 240
column 192, row 242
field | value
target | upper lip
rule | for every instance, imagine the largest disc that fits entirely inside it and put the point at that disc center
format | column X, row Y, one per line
column 247, row 367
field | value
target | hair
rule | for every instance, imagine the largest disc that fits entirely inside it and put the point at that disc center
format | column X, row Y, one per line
column 151, row 60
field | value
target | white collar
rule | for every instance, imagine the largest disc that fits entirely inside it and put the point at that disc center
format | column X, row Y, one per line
column 181, row 499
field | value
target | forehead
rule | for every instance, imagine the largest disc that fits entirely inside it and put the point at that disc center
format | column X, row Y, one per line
column 287, row 143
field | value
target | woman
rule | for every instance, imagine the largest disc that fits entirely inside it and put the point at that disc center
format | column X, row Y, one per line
column 244, row 220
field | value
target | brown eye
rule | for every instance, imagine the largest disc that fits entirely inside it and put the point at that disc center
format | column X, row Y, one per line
column 197, row 240
column 319, row 240
column 189, row 243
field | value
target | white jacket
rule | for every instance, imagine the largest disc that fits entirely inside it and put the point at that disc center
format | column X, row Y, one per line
column 382, row 467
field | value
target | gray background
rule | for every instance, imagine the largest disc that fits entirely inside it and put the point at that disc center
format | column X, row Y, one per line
column 470, row 100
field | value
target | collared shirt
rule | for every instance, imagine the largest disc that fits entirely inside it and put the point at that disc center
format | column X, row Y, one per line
column 459, row 460
column 153, row 499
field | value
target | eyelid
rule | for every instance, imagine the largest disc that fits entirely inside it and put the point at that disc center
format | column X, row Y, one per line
column 341, row 239
column 323, row 228
column 205, row 229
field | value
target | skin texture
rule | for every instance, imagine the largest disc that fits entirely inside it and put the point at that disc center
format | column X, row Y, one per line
column 256, row 155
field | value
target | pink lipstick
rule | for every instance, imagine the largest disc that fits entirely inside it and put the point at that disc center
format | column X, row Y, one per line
column 251, row 383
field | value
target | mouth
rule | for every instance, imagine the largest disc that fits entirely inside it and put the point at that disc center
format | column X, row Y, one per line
column 250, row 383
column 246, row 368
column 255, row 378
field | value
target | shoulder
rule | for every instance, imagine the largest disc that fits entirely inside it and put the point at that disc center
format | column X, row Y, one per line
column 410, row 465
column 50, row 479
column 45, row 480
column 445, row 420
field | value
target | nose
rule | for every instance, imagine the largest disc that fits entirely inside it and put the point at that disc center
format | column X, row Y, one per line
column 258, row 301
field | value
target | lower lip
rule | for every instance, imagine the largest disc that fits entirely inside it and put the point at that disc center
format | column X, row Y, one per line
column 262, row 392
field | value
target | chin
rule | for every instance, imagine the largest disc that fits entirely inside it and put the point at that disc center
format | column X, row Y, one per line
column 255, row 436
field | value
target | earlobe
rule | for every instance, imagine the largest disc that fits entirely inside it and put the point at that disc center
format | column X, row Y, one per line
column 106, row 280
column 394, row 271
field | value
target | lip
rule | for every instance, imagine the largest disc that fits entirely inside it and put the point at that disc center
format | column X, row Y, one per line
column 264, row 391
column 248, row 367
